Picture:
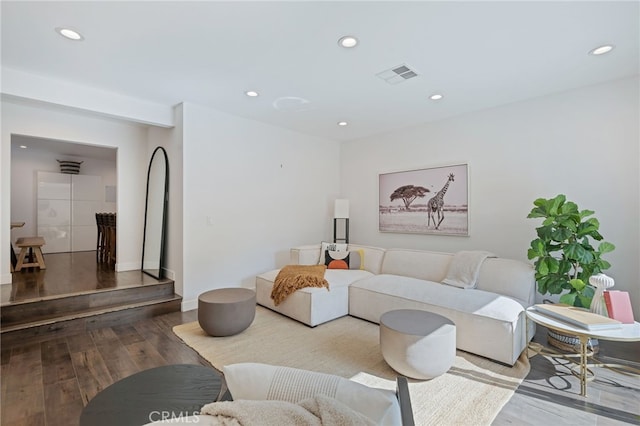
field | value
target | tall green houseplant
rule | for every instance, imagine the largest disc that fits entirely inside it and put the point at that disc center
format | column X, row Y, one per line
column 564, row 255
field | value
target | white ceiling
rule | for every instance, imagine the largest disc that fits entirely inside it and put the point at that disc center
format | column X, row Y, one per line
column 65, row 149
column 478, row 54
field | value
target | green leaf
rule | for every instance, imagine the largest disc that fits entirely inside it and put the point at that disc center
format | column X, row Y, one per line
column 577, row 284
column 576, row 251
column 586, row 228
column 570, row 224
column 606, row 247
column 585, row 213
column 560, row 234
column 569, row 208
column 585, row 297
column 547, row 265
column 556, row 203
column 542, row 267
column 542, row 285
column 569, row 298
column 537, row 212
column 557, row 284
column 541, row 203
column 564, row 266
column 537, row 249
column 603, row 264
column 545, row 232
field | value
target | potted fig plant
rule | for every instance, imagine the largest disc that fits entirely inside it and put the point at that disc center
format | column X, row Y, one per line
column 564, row 252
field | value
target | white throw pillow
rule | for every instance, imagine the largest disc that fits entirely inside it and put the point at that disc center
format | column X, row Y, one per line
column 324, row 246
column 255, row 381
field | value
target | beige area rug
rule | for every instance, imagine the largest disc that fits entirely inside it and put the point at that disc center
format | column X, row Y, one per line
column 471, row 393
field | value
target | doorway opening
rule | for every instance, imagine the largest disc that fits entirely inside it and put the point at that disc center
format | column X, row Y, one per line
column 60, row 205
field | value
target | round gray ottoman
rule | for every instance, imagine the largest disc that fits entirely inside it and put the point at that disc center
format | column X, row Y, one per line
column 226, row 311
column 417, row 344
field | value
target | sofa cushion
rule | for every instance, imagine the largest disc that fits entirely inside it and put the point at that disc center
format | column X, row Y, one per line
column 255, row 381
column 425, row 265
column 324, row 246
column 309, row 255
column 509, row 277
column 487, row 324
column 473, row 301
column 312, row 305
column 336, row 278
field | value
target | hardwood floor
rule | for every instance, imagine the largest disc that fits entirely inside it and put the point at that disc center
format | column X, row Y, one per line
column 48, row 383
column 68, row 273
column 550, row 394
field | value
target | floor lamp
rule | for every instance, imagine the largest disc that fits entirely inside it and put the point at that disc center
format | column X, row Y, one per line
column 341, row 212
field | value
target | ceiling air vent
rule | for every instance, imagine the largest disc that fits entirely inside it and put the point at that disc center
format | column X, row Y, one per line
column 397, row 74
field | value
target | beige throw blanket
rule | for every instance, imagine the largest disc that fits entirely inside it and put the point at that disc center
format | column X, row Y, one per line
column 294, row 277
column 319, row 410
column 465, row 267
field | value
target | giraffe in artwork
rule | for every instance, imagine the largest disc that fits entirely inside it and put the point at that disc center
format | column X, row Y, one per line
column 435, row 204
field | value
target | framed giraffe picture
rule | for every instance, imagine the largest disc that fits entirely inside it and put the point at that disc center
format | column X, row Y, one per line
column 425, row 201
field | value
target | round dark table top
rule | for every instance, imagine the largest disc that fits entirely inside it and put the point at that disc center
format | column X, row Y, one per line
column 171, row 391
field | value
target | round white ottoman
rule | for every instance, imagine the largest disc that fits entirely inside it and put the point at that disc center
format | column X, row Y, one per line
column 417, row 344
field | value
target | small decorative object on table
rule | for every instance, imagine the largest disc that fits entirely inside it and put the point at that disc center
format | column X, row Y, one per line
column 601, row 282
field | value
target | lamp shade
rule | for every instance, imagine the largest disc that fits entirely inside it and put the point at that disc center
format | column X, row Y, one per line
column 341, row 210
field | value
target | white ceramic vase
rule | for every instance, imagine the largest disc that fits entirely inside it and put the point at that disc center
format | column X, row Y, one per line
column 601, row 282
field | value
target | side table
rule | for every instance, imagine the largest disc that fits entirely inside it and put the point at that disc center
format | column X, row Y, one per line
column 226, row 311
column 627, row 333
column 417, row 344
column 161, row 393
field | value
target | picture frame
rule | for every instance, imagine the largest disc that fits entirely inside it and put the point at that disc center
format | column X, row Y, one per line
column 433, row 200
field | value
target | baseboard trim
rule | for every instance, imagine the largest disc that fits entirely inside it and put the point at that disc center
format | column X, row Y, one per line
column 129, row 266
column 169, row 273
column 189, row 305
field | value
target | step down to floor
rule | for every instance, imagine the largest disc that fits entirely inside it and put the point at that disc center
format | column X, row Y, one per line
column 39, row 320
column 33, row 310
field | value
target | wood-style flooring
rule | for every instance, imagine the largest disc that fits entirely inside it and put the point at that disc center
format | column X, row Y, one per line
column 48, row 383
column 68, row 273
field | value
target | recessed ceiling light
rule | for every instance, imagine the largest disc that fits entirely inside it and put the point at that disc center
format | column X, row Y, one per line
column 342, row 123
column 69, row 33
column 251, row 93
column 601, row 50
column 348, row 41
column 436, row 97
column 23, row 146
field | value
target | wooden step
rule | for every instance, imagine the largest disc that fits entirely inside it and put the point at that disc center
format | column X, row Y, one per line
column 42, row 309
column 83, row 320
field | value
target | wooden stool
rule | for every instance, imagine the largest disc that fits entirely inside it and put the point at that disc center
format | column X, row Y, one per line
column 27, row 244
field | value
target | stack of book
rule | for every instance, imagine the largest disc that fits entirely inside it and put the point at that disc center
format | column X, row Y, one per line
column 619, row 306
column 578, row 317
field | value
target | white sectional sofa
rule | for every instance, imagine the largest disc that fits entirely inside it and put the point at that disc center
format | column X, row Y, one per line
column 490, row 319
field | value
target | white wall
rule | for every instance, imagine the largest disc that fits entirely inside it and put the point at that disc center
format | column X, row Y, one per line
column 584, row 143
column 129, row 139
column 251, row 191
column 24, row 165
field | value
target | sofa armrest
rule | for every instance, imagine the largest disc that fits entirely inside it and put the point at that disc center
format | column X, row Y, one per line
column 305, row 255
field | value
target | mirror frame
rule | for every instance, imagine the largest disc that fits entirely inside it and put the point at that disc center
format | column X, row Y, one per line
column 165, row 205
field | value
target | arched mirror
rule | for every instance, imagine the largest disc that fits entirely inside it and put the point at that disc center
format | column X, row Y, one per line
column 155, row 214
